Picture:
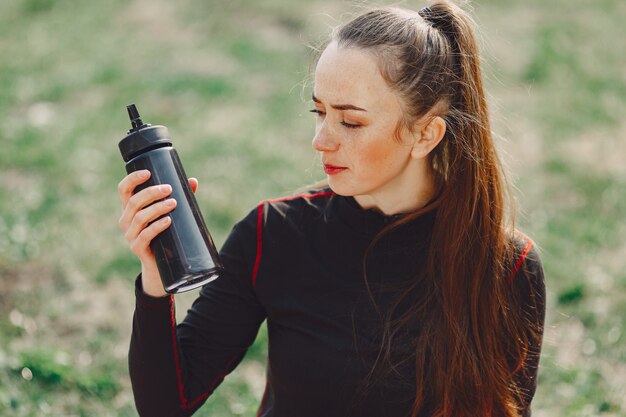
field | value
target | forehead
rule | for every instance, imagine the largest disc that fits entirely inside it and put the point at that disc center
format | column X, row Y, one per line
column 351, row 75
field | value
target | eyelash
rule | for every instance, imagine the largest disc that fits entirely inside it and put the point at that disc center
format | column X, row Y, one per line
column 347, row 125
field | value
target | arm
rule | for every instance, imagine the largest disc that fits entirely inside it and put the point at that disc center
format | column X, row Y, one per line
column 174, row 369
column 529, row 288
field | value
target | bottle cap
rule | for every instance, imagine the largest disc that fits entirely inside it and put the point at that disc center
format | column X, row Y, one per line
column 142, row 136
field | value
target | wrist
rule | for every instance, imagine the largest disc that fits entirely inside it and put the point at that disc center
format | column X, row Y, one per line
column 151, row 281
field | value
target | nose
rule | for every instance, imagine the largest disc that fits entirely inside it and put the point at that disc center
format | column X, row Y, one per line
column 324, row 140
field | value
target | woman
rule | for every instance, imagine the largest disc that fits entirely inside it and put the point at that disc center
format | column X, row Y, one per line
column 399, row 289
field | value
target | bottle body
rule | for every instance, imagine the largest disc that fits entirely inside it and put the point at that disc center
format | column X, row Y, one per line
column 185, row 253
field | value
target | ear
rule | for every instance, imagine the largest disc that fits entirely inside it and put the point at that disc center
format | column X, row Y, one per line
column 428, row 136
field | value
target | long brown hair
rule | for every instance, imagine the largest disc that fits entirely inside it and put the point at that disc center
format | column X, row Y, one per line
column 471, row 342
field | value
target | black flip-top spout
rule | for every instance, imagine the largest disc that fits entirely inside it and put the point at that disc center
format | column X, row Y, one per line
column 135, row 119
column 142, row 137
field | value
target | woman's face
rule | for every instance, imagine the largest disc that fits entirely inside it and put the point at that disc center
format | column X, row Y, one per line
column 357, row 118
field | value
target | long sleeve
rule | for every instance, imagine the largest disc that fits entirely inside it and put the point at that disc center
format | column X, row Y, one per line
column 529, row 285
column 175, row 368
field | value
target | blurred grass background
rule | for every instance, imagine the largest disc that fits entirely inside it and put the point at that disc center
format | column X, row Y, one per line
column 231, row 81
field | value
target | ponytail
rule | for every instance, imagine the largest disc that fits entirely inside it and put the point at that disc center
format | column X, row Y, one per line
column 471, row 266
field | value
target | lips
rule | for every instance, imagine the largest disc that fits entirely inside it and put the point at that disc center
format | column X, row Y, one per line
column 333, row 169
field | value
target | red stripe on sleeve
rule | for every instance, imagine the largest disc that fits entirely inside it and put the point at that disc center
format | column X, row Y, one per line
column 179, row 381
column 522, row 258
column 216, row 381
column 259, row 243
column 184, row 403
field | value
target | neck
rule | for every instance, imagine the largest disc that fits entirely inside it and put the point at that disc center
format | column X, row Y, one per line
column 398, row 200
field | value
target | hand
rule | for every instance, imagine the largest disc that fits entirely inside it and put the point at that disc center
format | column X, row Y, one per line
column 137, row 222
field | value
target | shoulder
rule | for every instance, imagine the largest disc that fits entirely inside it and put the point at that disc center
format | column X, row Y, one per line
column 526, row 272
column 277, row 222
column 294, row 206
column 525, row 256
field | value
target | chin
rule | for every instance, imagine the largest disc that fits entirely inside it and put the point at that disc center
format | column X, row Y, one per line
column 341, row 189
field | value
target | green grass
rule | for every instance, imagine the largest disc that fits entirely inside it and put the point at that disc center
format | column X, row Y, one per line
column 230, row 80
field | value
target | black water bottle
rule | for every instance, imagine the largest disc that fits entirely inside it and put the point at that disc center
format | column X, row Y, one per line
column 185, row 253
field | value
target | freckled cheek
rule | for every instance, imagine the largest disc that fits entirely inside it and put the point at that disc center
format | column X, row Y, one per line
column 372, row 159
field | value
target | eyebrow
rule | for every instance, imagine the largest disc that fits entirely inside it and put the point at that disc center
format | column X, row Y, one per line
column 340, row 106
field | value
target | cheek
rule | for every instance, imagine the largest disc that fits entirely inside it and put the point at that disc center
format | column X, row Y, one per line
column 374, row 158
column 374, row 155
column 382, row 151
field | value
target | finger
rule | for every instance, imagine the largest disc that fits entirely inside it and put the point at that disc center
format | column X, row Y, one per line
column 142, row 199
column 141, row 245
column 147, row 215
column 193, row 183
column 127, row 186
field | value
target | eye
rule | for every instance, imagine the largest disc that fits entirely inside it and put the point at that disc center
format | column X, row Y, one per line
column 318, row 112
column 350, row 125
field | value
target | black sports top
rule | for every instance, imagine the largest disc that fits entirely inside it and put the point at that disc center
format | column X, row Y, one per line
column 297, row 262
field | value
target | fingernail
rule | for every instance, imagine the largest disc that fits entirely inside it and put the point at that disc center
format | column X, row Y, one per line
column 143, row 174
column 171, row 202
column 165, row 220
column 165, row 188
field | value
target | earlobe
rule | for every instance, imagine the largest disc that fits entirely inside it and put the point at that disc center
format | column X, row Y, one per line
column 428, row 137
